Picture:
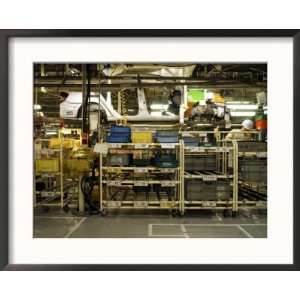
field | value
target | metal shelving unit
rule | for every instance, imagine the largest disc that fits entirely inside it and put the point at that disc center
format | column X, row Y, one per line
column 122, row 178
column 53, row 195
column 225, row 155
column 252, row 194
column 122, row 186
column 58, row 183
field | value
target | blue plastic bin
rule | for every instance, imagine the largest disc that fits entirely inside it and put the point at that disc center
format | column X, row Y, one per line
column 167, row 136
column 118, row 138
column 120, row 129
column 190, row 141
column 166, row 161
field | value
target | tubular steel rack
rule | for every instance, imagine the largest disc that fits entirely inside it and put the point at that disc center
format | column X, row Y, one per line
column 252, row 194
column 135, row 187
column 60, row 189
column 152, row 187
column 227, row 172
column 118, row 182
column 121, row 186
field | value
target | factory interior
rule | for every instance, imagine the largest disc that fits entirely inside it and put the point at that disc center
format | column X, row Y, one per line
column 150, row 150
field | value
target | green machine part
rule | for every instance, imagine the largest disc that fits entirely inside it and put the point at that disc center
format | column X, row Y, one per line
column 195, row 95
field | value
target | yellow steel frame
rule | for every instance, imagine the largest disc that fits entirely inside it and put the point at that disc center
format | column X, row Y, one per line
column 176, row 204
column 221, row 204
column 181, row 178
column 61, row 133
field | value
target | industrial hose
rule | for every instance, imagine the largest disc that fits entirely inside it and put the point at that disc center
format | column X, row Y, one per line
column 87, row 185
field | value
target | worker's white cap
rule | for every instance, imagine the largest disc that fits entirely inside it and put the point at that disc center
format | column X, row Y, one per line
column 248, row 124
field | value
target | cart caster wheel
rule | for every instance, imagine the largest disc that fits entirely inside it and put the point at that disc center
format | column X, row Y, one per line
column 46, row 209
column 103, row 213
column 66, row 208
column 234, row 214
column 174, row 213
column 226, row 213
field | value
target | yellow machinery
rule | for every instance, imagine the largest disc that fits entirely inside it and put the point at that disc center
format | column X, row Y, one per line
column 59, row 163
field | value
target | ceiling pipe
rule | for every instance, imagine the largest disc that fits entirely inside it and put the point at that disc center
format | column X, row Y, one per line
column 223, row 85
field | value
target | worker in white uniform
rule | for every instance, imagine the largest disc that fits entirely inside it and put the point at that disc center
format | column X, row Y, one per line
column 242, row 134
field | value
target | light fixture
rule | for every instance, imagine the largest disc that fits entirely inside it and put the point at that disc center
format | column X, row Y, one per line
column 242, row 106
column 73, row 71
column 159, row 106
column 238, row 102
column 43, row 89
column 242, row 113
column 51, row 133
column 37, row 107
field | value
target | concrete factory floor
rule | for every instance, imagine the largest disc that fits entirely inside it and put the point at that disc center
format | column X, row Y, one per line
column 248, row 224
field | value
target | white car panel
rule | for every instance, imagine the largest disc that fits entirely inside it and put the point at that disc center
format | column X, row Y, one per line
column 70, row 108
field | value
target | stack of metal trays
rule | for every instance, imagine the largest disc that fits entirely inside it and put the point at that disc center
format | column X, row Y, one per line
column 200, row 163
column 197, row 190
column 164, row 136
column 253, row 170
column 246, row 146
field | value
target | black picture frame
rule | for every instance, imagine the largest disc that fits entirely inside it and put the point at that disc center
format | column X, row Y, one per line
column 5, row 35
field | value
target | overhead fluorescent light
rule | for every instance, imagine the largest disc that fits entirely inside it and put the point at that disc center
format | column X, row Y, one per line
column 43, row 89
column 159, row 106
column 51, row 133
column 74, row 71
column 242, row 113
column 242, row 106
column 238, row 102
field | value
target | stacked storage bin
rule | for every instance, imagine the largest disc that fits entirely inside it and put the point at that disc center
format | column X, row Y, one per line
column 47, row 165
column 190, row 141
column 118, row 160
column 142, row 158
column 197, row 190
column 245, row 146
column 200, row 163
column 164, row 136
column 166, row 161
column 119, row 134
column 253, row 170
column 142, row 137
